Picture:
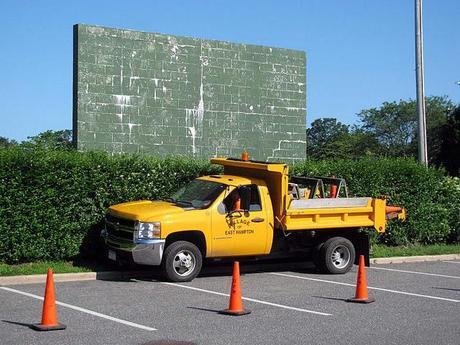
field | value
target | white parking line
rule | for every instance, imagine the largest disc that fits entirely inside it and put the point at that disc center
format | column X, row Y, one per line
column 413, row 272
column 369, row 287
column 452, row 262
column 250, row 299
column 87, row 311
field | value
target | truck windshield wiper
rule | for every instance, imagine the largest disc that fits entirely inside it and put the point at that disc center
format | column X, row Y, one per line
column 183, row 202
column 176, row 201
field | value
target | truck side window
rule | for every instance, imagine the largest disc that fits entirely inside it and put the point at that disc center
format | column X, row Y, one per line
column 255, row 204
column 231, row 200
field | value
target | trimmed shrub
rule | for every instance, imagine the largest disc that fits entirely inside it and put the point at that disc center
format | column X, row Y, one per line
column 52, row 203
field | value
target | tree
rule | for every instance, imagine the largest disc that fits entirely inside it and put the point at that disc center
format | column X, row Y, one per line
column 321, row 134
column 438, row 110
column 328, row 138
column 54, row 140
column 5, row 142
column 395, row 126
column 449, row 155
column 354, row 144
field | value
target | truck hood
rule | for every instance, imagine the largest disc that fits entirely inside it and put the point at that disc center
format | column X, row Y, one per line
column 145, row 210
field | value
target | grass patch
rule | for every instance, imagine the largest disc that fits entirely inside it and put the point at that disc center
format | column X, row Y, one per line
column 41, row 267
column 381, row 251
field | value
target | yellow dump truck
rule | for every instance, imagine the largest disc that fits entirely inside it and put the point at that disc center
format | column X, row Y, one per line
column 251, row 210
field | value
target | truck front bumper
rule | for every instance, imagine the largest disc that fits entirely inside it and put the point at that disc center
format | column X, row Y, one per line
column 146, row 252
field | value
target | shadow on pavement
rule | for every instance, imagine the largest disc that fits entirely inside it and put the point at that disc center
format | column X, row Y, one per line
column 204, row 309
column 441, row 288
column 331, row 298
column 168, row 342
column 214, row 269
column 28, row 325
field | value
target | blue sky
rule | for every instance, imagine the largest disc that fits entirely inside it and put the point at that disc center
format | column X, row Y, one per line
column 360, row 53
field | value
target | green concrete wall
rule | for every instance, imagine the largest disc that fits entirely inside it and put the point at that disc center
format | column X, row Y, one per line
column 161, row 94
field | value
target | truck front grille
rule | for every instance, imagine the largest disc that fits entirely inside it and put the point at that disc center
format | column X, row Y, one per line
column 119, row 228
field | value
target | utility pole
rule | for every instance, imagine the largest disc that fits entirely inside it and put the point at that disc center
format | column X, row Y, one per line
column 422, row 147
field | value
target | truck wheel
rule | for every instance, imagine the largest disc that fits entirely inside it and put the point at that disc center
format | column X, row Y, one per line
column 337, row 255
column 181, row 261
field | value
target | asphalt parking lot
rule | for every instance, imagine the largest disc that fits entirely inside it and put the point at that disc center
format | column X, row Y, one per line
column 417, row 303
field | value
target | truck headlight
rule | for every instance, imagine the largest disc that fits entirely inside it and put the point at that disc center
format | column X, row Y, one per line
column 147, row 231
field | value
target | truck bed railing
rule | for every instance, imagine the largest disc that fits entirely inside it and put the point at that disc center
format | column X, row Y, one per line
column 329, row 203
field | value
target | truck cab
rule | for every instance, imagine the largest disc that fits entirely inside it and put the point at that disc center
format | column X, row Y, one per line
column 251, row 210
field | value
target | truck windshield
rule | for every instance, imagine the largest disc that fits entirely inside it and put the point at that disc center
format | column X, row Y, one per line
column 198, row 194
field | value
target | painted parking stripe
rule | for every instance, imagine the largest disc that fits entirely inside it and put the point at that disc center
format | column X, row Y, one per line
column 250, row 299
column 83, row 310
column 369, row 287
column 413, row 272
column 452, row 262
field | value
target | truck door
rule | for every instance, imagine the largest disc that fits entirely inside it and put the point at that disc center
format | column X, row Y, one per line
column 236, row 231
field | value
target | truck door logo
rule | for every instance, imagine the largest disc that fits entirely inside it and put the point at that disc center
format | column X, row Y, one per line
column 238, row 226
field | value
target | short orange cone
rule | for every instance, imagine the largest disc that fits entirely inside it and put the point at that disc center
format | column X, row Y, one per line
column 49, row 318
column 361, row 295
column 236, row 301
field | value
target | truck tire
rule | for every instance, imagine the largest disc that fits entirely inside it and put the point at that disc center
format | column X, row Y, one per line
column 182, row 261
column 337, row 255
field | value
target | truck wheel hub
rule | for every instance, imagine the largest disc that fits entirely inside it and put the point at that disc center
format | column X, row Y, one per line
column 340, row 256
column 184, row 263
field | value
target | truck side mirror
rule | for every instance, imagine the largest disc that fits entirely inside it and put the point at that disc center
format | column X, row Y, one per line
column 221, row 209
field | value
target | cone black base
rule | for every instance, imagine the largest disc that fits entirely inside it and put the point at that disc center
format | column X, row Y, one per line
column 40, row 327
column 359, row 300
column 235, row 313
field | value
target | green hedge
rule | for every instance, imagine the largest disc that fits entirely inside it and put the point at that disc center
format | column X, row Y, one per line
column 52, row 203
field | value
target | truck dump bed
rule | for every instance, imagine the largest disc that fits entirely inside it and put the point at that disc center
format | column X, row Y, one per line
column 308, row 214
column 335, row 213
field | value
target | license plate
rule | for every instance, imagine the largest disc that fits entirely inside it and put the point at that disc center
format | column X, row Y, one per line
column 112, row 255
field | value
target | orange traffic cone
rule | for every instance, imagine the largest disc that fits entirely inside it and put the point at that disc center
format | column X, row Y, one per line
column 361, row 295
column 236, row 301
column 49, row 318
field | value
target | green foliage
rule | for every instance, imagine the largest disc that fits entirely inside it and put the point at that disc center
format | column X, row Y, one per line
column 391, row 130
column 449, row 135
column 321, row 134
column 432, row 200
column 50, row 140
column 52, row 202
column 394, row 125
column 5, row 142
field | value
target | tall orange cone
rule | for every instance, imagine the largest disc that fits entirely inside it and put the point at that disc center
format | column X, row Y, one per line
column 236, row 301
column 361, row 295
column 49, row 318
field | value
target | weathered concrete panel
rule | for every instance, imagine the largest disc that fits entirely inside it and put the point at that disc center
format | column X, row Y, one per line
column 159, row 94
